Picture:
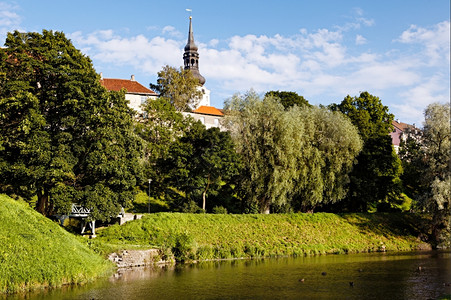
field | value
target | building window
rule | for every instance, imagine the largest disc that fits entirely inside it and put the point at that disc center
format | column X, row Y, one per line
column 202, row 120
column 143, row 99
column 216, row 122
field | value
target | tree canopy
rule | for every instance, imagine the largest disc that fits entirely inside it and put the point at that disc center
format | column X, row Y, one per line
column 64, row 137
column 375, row 179
column 291, row 158
column 179, row 86
column 201, row 161
column 288, row 99
column 427, row 156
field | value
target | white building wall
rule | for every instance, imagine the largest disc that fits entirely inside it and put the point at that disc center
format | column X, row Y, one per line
column 205, row 100
column 208, row 120
column 136, row 100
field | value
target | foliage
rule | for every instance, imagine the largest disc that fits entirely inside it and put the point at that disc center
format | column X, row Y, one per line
column 36, row 252
column 288, row 99
column 437, row 147
column 159, row 126
column 64, row 138
column 298, row 157
column 426, row 159
column 334, row 144
column 201, row 161
column 142, row 202
column 411, row 154
column 219, row 210
column 375, row 179
column 212, row 236
column 179, row 86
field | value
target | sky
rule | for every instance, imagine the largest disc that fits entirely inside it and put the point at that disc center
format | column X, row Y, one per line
column 323, row 50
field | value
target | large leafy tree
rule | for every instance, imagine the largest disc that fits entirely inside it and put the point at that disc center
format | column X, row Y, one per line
column 428, row 157
column 179, row 86
column 64, row 138
column 290, row 157
column 375, row 179
column 288, row 99
column 332, row 144
column 160, row 125
column 201, row 161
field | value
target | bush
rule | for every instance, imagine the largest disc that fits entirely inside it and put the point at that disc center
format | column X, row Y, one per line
column 219, row 210
column 184, row 248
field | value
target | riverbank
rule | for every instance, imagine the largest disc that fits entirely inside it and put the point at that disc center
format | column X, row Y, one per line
column 191, row 237
column 36, row 252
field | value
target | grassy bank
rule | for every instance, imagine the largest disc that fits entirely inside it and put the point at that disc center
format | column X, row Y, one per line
column 35, row 251
column 209, row 236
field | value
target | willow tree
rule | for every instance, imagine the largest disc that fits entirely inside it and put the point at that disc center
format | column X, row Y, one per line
column 329, row 152
column 64, row 138
column 289, row 156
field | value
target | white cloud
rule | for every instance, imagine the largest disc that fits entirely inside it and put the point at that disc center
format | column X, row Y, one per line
column 9, row 19
column 171, row 31
column 146, row 55
column 318, row 64
column 434, row 40
column 360, row 40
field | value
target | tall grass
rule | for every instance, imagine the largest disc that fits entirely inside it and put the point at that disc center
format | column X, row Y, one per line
column 35, row 251
column 211, row 236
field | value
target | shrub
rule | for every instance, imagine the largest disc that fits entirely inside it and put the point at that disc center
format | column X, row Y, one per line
column 184, row 247
column 219, row 210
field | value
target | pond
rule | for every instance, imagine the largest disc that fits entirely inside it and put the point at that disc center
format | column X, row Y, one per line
column 410, row 275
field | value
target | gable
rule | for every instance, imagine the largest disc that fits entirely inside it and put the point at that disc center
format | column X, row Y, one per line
column 132, row 87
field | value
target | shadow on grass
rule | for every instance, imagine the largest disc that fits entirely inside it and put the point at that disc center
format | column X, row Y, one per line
column 391, row 224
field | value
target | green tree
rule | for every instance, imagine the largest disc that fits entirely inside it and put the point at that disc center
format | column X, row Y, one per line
column 64, row 137
column 288, row 99
column 201, row 161
column 160, row 125
column 437, row 147
column 411, row 153
column 290, row 157
column 375, row 179
column 180, row 86
column 329, row 153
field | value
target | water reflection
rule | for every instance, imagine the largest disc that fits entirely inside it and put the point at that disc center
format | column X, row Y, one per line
column 419, row 275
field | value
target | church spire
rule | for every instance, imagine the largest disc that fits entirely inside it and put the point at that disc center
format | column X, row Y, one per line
column 191, row 56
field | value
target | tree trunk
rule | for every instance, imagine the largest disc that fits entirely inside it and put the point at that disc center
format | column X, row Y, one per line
column 204, row 193
column 265, row 208
column 42, row 204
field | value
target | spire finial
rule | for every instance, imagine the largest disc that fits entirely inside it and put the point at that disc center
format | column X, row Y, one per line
column 191, row 56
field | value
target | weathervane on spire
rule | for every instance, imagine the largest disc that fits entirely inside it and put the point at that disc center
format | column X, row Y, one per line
column 189, row 10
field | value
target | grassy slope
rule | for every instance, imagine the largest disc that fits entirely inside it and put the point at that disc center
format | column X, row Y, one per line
column 34, row 251
column 206, row 236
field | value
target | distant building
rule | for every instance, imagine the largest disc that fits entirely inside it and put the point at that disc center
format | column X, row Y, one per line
column 136, row 93
column 400, row 133
column 208, row 115
column 191, row 62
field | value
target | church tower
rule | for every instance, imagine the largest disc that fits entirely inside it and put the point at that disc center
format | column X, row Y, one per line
column 191, row 62
column 191, row 56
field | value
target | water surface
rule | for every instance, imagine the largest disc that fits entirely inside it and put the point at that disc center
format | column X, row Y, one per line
column 412, row 275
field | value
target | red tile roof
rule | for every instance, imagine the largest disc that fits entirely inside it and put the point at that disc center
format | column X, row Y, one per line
column 208, row 110
column 401, row 126
column 132, row 87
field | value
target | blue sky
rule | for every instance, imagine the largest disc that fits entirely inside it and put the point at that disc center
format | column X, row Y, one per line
column 323, row 50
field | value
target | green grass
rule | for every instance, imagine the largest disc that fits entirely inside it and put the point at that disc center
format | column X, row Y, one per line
column 37, row 252
column 210, row 236
column 142, row 201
